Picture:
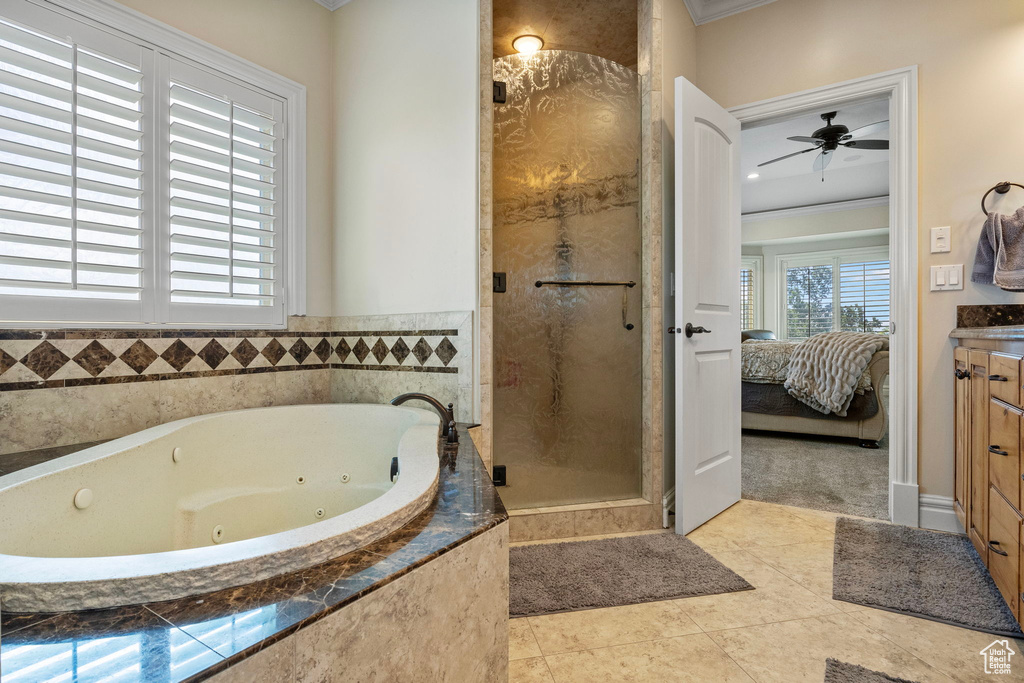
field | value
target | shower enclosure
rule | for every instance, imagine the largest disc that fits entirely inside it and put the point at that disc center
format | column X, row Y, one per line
column 567, row 330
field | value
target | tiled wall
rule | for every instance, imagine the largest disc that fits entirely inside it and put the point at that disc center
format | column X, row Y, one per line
column 60, row 387
column 400, row 345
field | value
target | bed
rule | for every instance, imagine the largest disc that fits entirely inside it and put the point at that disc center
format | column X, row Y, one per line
column 768, row 406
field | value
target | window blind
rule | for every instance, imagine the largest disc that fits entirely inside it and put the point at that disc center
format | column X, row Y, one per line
column 71, row 174
column 747, row 298
column 864, row 294
column 809, row 302
column 223, row 193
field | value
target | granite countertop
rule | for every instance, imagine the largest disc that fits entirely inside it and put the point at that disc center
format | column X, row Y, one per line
column 194, row 638
column 1001, row 332
column 1002, row 322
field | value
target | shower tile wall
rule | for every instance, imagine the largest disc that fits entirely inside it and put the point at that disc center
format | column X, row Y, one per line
column 61, row 387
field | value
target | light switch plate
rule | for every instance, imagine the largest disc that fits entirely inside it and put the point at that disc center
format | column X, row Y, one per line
column 940, row 240
column 947, row 278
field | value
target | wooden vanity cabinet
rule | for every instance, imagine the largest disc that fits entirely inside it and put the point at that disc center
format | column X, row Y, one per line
column 988, row 485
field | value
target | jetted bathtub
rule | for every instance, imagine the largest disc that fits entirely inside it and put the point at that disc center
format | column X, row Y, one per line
column 210, row 502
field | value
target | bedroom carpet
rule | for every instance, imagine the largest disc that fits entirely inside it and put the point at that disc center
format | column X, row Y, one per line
column 927, row 574
column 816, row 472
column 563, row 577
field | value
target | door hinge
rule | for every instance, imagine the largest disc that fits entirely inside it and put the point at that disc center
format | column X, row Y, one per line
column 892, row 327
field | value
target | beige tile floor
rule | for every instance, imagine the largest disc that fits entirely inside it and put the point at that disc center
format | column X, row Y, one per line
column 782, row 631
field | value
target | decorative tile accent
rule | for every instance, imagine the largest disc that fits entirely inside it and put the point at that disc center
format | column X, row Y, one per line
column 300, row 351
column 400, row 350
column 45, row 360
column 213, row 354
column 343, row 350
column 178, row 355
column 245, row 353
column 361, row 350
column 422, row 351
column 446, row 351
column 94, row 358
column 274, row 352
column 323, row 350
column 7, row 361
column 65, row 358
column 380, row 350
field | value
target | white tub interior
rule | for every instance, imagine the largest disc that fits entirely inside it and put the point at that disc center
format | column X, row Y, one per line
column 245, row 474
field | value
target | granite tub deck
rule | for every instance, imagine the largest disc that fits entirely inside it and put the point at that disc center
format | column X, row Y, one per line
column 391, row 607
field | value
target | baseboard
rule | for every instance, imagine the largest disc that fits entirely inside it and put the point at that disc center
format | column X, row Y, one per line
column 668, row 502
column 904, row 504
column 936, row 512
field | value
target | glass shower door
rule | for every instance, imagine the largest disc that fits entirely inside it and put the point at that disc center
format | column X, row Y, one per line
column 567, row 332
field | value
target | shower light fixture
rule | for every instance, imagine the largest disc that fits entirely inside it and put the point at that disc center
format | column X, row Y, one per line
column 527, row 45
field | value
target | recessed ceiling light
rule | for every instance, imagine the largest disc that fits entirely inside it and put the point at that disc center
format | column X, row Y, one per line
column 854, row 157
column 753, row 175
column 527, row 45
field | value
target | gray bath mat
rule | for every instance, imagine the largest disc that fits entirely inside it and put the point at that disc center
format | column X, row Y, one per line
column 922, row 573
column 843, row 672
column 564, row 577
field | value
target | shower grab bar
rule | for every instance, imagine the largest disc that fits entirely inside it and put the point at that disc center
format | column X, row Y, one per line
column 583, row 283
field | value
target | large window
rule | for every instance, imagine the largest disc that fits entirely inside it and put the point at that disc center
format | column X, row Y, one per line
column 829, row 291
column 136, row 186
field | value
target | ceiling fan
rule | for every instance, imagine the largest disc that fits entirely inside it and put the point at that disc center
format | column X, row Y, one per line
column 830, row 138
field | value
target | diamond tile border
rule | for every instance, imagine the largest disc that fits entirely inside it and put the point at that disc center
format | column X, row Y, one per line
column 122, row 356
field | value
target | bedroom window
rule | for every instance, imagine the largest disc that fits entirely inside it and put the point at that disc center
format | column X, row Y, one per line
column 750, row 292
column 844, row 290
column 138, row 185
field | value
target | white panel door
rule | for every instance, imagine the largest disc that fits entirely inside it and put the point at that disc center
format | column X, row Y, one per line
column 707, row 308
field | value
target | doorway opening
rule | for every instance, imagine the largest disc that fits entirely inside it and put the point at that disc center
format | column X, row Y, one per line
column 815, row 260
column 898, row 395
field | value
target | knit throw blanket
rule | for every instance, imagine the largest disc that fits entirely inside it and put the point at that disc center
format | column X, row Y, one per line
column 825, row 370
column 999, row 260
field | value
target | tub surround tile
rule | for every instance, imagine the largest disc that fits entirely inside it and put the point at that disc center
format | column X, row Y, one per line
column 232, row 625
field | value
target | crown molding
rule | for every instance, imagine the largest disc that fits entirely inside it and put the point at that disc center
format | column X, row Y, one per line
column 332, row 4
column 813, row 209
column 703, row 11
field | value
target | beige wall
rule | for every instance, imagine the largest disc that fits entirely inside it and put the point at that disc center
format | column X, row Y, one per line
column 971, row 59
column 406, row 96
column 291, row 38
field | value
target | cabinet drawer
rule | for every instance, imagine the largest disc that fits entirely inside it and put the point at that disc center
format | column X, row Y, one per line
column 1004, row 377
column 1004, row 449
column 1004, row 530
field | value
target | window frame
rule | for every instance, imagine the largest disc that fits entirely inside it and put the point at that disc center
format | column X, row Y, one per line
column 153, row 35
column 832, row 257
column 755, row 264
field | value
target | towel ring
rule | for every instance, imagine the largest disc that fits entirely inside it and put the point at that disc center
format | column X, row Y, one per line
column 1001, row 188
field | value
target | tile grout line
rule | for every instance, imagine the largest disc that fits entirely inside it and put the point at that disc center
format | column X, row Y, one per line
column 904, row 649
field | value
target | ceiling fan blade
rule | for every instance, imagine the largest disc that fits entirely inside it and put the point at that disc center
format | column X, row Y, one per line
column 804, row 151
column 869, row 129
column 804, row 138
column 822, row 162
column 866, row 144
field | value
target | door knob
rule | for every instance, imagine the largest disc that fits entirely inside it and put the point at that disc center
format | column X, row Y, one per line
column 691, row 330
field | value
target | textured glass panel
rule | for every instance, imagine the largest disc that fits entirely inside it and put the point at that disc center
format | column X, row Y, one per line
column 567, row 372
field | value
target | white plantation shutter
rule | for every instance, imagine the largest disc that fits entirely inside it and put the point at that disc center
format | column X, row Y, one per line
column 71, row 173
column 864, row 296
column 137, row 186
column 223, row 195
column 747, row 298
